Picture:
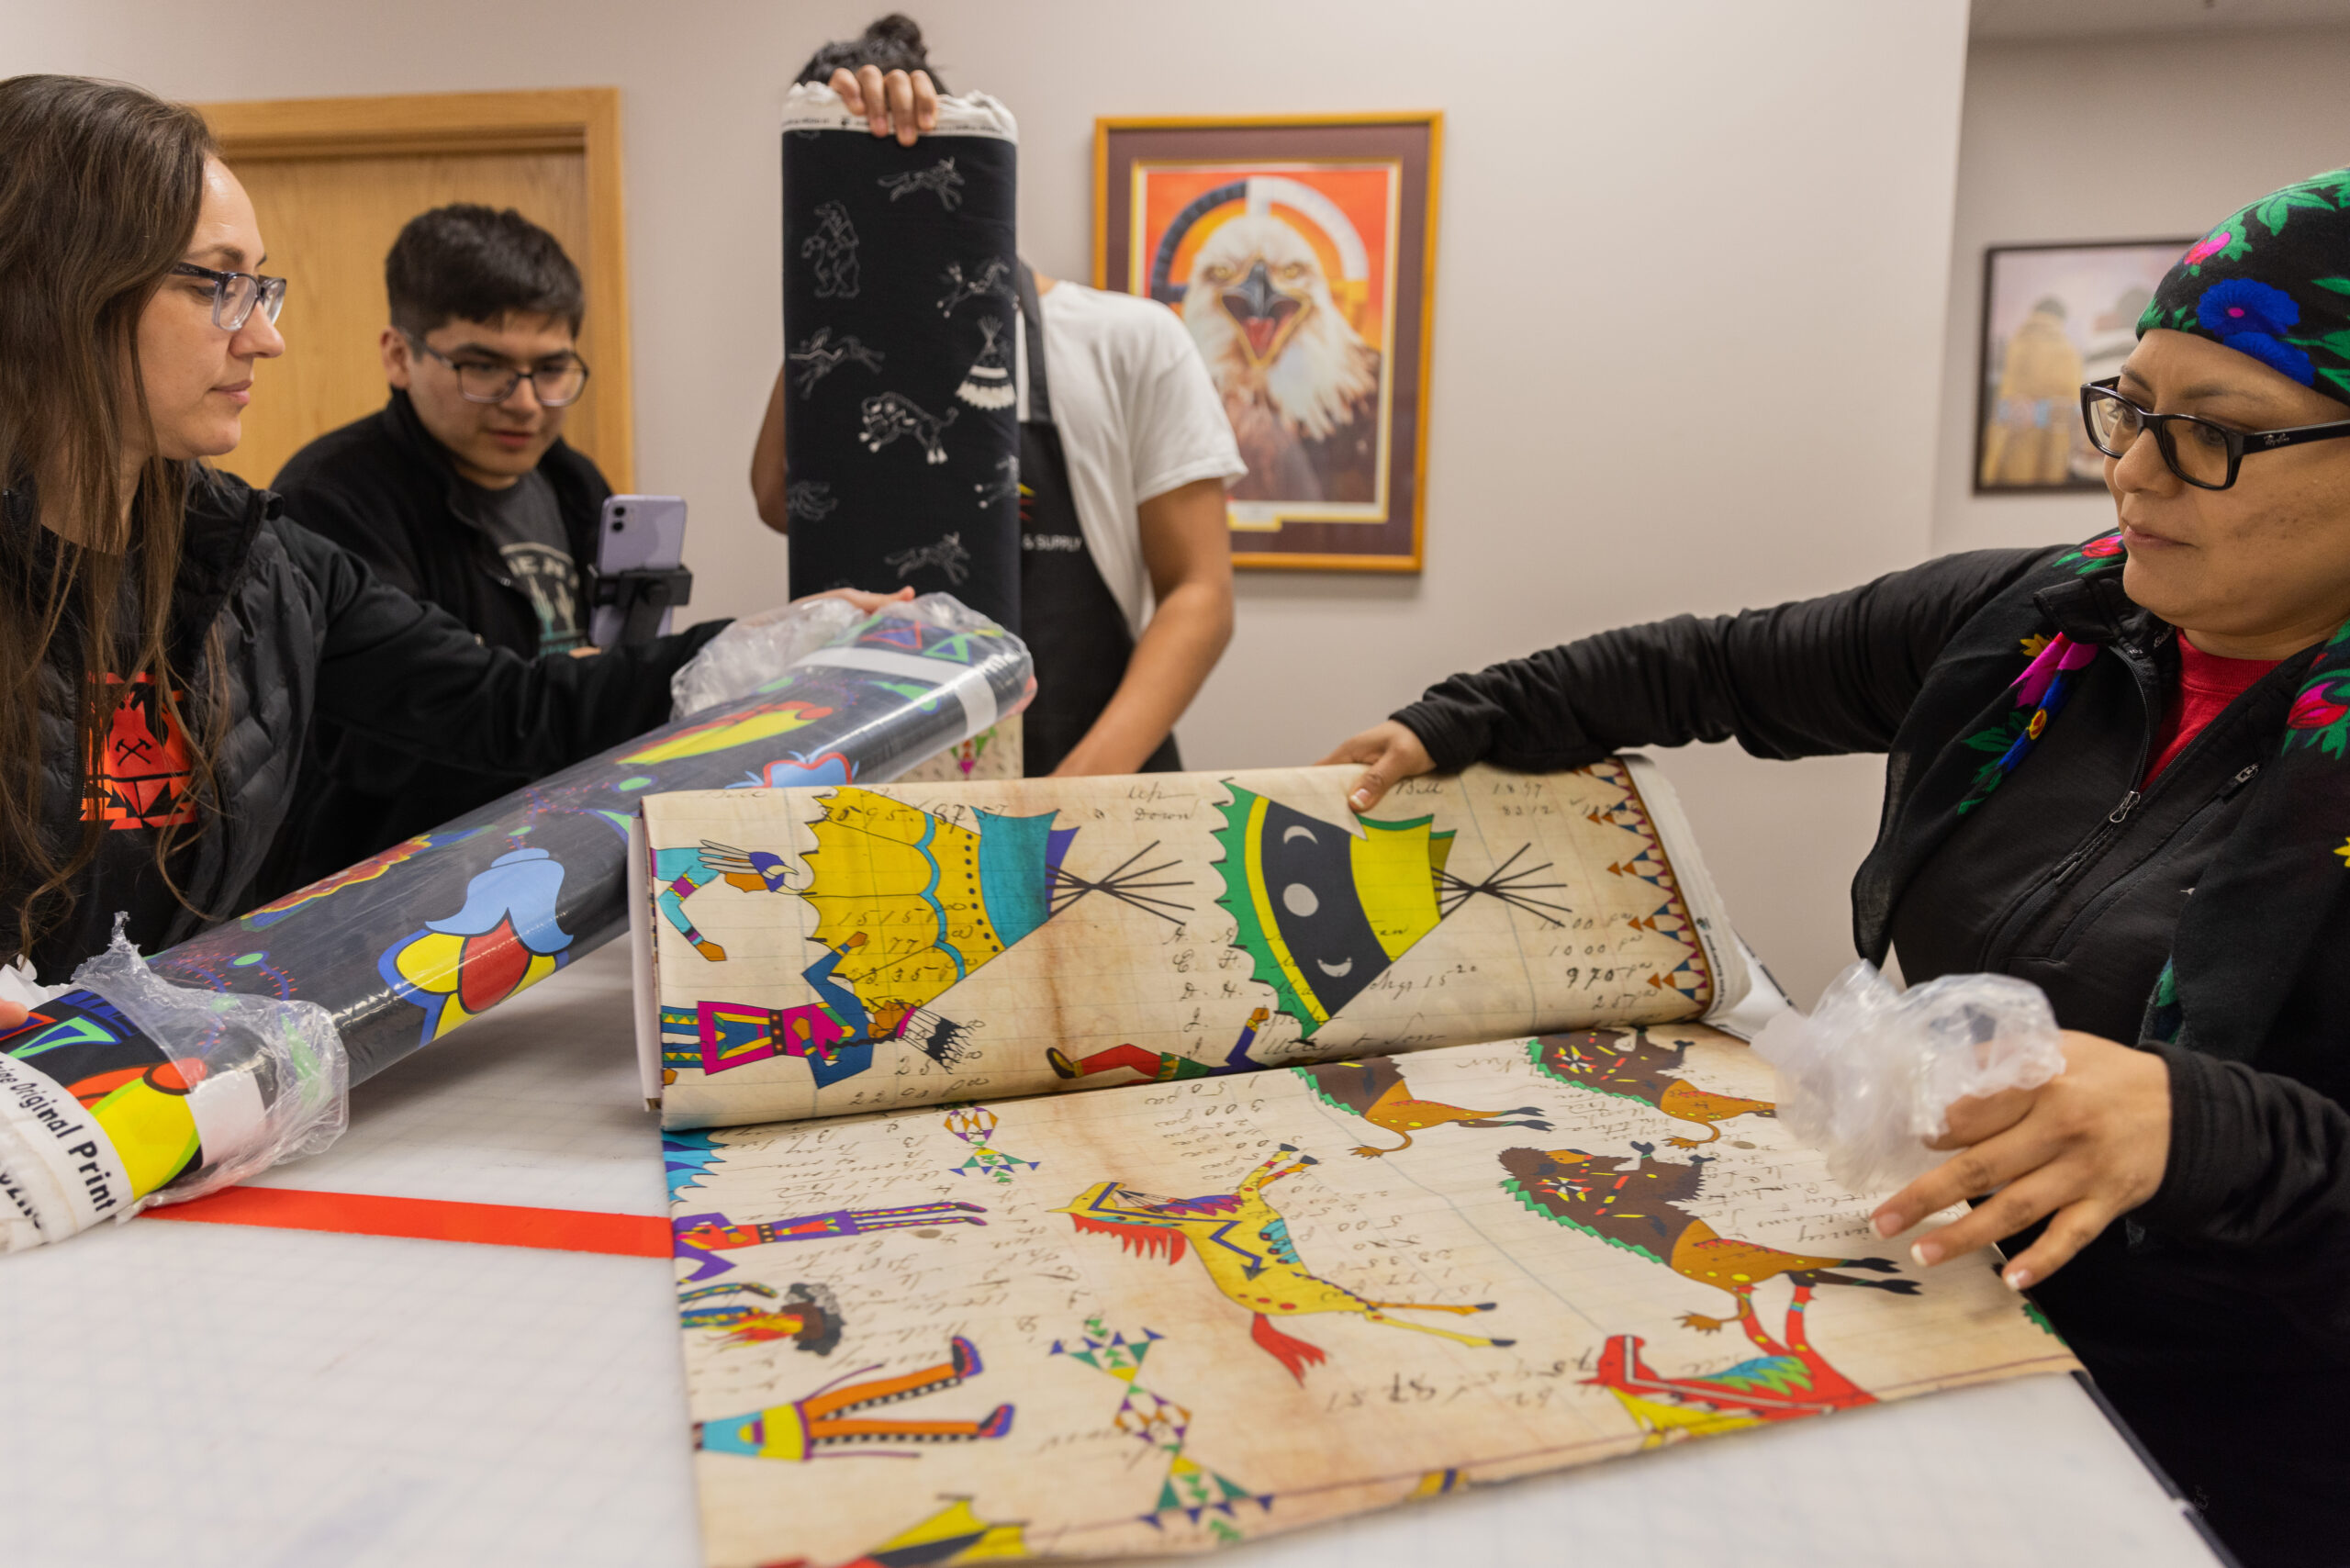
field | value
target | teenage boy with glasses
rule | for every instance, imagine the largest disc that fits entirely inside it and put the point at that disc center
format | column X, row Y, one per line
column 461, row 491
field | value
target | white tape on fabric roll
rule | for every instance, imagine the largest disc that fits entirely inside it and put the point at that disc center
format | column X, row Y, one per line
column 967, row 687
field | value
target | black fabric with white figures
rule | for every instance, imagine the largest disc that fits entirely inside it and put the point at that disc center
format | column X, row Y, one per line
column 898, row 268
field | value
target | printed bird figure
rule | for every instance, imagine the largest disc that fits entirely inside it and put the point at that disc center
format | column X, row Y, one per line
column 1300, row 385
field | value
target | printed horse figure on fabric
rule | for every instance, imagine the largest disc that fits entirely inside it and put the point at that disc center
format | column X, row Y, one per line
column 1644, row 1070
column 960, row 289
column 888, row 415
column 1375, row 1091
column 946, row 554
column 1639, row 1210
column 1244, row 1244
column 940, row 179
column 822, row 355
column 809, row 500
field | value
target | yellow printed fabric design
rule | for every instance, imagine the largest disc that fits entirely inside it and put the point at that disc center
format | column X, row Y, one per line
column 436, row 965
column 761, row 724
column 1662, row 1421
column 153, row 1132
column 777, row 1432
column 1323, row 910
column 953, row 1535
column 908, row 884
column 1397, row 865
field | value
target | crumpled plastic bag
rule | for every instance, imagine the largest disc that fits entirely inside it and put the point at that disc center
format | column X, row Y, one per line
column 755, row 650
column 1872, row 1074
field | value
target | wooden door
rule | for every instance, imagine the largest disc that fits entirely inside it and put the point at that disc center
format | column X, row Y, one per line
column 333, row 180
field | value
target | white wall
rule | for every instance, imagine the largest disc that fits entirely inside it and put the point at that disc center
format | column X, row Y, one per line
column 1688, row 313
column 2200, row 123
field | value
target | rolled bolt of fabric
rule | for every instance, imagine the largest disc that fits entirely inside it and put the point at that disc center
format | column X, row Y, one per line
column 121, row 1090
column 901, row 332
column 158, row 1082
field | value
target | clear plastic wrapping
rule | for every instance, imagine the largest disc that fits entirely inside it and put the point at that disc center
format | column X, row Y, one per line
column 754, row 650
column 123, row 1090
column 1872, row 1072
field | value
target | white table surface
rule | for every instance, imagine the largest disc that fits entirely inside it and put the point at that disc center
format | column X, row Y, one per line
column 195, row 1395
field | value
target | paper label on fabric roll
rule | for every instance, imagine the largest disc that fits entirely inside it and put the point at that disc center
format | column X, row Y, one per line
column 229, row 1111
column 61, row 1170
column 814, row 106
column 224, row 1101
column 967, row 686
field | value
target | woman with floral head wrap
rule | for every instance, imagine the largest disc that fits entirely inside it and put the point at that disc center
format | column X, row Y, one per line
column 2119, row 770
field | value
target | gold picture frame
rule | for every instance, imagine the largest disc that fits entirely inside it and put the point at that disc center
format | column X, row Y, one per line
column 1320, row 231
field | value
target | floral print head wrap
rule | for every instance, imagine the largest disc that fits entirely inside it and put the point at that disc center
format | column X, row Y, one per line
column 2273, row 282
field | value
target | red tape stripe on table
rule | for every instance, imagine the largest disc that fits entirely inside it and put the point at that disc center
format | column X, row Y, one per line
column 429, row 1219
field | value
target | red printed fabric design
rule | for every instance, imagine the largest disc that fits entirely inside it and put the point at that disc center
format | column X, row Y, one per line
column 140, row 776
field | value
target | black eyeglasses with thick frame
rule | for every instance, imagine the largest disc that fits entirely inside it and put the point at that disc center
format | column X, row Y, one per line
column 479, row 383
column 234, row 295
column 2111, row 418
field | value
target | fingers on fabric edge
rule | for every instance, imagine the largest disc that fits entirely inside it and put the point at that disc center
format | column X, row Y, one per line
column 900, row 90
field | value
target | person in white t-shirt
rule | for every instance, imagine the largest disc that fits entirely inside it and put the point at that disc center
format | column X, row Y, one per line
column 1125, row 456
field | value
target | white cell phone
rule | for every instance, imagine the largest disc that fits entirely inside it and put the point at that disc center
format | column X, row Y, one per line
column 638, row 533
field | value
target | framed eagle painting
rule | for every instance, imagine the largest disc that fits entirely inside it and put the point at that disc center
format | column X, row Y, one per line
column 1300, row 252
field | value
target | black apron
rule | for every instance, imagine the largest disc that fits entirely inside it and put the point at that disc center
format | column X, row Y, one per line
column 1070, row 620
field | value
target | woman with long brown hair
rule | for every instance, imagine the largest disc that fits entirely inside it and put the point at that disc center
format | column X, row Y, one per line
column 165, row 636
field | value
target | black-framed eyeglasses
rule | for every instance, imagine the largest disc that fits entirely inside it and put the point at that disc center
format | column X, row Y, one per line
column 234, row 295
column 487, row 381
column 2203, row 454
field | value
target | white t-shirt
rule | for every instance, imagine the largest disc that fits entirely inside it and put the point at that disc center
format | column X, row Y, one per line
column 1137, row 417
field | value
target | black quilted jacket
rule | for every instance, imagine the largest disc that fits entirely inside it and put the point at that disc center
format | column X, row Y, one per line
column 2218, row 1315
column 304, row 630
column 384, row 489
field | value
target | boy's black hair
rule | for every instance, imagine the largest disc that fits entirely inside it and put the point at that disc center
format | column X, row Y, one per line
column 469, row 262
column 893, row 43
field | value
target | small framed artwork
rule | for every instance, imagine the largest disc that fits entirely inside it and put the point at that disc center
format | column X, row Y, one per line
column 1300, row 251
column 2054, row 316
